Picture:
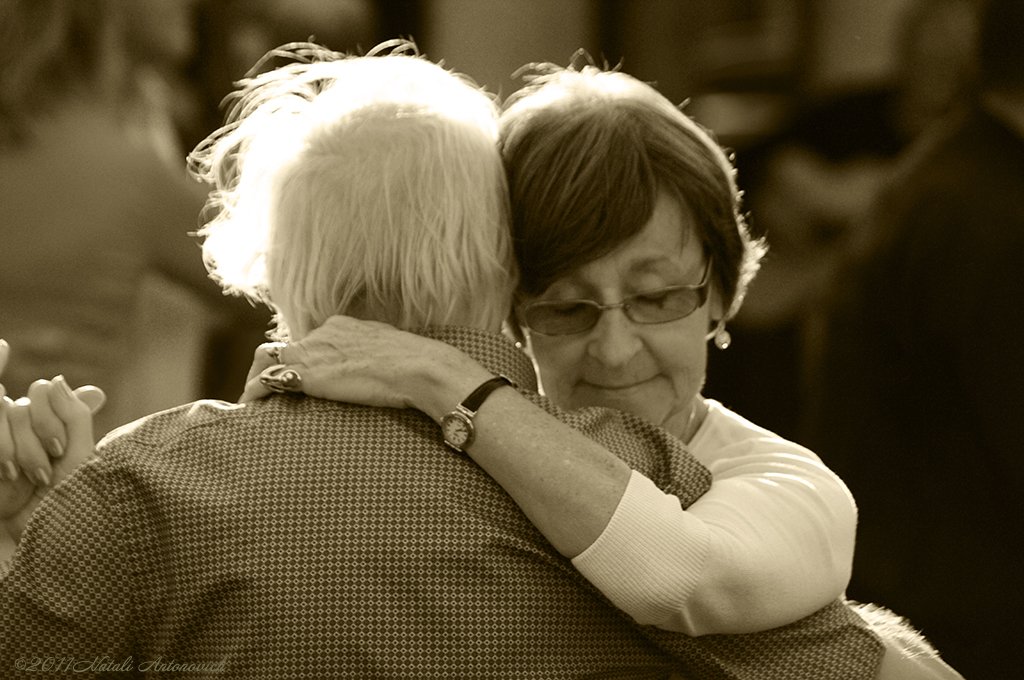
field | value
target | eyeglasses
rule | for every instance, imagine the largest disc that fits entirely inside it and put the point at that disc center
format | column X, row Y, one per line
column 661, row 305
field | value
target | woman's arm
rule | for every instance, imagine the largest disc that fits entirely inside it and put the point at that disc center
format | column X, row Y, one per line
column 566, row 484
column 780, row 531
column 571, row 488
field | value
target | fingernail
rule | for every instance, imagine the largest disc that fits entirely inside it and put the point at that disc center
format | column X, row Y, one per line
column 42, row 477
column 62, row 387
column 56, row 448
column 11, row 470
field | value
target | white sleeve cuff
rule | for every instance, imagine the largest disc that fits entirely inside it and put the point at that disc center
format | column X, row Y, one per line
column 650, row 557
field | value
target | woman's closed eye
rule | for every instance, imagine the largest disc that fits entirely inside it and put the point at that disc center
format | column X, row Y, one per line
column 654, row 298
column 664, row 298
column 568, row 308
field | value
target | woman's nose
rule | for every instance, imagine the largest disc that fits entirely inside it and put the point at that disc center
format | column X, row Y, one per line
column 614, row 339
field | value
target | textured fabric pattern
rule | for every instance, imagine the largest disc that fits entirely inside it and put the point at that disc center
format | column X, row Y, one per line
column 299, row 538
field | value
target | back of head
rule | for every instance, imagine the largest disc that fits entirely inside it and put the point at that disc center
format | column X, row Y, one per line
column 1000, row 48
column 587, row 153
column 369, row 186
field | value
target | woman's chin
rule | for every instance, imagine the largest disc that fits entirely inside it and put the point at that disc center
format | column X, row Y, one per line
column 646, row 400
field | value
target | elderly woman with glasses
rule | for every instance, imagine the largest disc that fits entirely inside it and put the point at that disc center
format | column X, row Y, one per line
column 633, row 255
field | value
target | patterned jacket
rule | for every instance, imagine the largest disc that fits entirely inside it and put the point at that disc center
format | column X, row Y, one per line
column 300, row 538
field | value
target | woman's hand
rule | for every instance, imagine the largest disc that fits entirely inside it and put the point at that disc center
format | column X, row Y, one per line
column 43, row 438
column 373, row 364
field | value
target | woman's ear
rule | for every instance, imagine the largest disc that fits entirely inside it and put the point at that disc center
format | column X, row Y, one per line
column 514, row 329
column 716, row 321
column 716, row 307
column 511, row 330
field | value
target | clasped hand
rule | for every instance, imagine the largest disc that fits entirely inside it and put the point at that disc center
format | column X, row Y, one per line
column 43, row 438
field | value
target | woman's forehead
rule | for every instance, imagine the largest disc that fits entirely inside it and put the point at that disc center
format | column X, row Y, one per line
column 667, row 246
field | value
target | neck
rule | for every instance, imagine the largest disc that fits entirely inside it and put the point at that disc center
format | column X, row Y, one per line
column 684, row 427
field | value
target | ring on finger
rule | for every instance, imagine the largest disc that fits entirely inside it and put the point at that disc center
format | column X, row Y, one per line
column 279, row 378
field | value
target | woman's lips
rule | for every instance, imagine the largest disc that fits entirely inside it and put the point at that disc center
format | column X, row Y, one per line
column 613, row 386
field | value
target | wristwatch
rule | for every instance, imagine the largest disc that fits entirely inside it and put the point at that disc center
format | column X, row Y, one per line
column 457, row 426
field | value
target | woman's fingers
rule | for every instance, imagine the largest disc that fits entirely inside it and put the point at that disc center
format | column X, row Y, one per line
column 27, row 418
column 357, row 361
column 29, row 452
column 8, row 466
column 37, row 433
column 345, row 359
column 49, row 433
column 76, row 415
column 254, row 389
column 48, row 427
column 266, row 355
column 8, row 469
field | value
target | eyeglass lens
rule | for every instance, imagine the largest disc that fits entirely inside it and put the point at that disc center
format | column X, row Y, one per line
column 651, row 307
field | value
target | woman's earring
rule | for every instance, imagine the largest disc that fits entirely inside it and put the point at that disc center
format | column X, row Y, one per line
column 722, row 337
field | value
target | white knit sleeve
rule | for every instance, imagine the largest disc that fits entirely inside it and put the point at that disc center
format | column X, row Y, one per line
column 770, row 543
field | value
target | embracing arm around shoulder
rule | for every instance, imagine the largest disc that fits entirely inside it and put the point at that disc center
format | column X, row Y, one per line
column 779, row 531
column 769, row 543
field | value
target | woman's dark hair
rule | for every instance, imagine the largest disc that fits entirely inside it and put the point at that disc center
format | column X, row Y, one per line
column 587, row 153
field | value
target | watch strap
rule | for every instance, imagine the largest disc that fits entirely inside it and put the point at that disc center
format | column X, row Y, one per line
column 475, row 400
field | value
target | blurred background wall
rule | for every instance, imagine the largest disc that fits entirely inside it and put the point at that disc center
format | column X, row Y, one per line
column 690, row 48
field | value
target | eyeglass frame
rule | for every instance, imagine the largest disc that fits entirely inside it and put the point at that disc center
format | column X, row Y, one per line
column 700, row 288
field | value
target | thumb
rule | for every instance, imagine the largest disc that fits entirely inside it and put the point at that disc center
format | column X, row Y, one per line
column 92, row 396
column 77, row 418
column 254, row 389
column 262, row 359
column 5, row 351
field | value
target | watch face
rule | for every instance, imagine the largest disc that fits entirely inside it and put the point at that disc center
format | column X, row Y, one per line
column 457, row 430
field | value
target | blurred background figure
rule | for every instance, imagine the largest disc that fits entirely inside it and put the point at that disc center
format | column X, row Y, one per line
column 99, row 278
column 232, row 35
column 921, row 382
column 810, row 182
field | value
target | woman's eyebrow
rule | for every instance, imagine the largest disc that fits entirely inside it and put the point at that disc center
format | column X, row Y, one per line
column 658, row 264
